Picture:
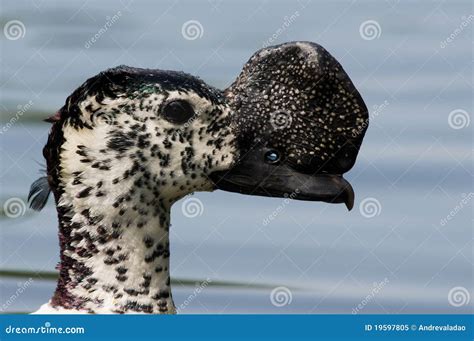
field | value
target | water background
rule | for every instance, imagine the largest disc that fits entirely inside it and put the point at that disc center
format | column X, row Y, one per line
column 413, row 162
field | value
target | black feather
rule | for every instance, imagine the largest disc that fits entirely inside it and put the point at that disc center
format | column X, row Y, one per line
column 39, row 193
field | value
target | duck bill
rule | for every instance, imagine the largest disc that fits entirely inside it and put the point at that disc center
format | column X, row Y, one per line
column 283, row 181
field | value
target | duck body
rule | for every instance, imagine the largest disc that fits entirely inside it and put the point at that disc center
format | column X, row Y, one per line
column 130, row 142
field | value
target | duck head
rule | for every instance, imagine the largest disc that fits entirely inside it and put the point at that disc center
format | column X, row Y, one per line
column 130, row 142
column 126, row 145
column 299, row 123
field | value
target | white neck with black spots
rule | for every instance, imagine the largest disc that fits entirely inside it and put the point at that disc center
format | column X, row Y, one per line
column 117, row 182
column 115, row 261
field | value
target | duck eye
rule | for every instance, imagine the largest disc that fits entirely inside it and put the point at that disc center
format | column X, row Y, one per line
column 178, row 111
column 272, row 156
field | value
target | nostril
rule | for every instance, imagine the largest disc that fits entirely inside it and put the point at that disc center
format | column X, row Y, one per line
column 272, row 156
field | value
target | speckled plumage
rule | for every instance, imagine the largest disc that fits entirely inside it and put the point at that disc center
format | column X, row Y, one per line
column 116, row 166
column 116, row 163
column 323, row 118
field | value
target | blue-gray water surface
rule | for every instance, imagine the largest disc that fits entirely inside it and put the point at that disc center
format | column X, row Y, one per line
column 415, row 165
